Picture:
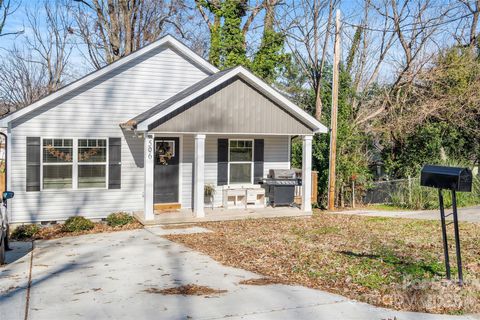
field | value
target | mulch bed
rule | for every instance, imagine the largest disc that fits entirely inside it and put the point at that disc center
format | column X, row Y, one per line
column 394, row 263
column 187, row 290
column 56, row 231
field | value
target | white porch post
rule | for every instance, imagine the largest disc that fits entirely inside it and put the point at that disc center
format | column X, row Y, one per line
column 307, row 174
column 199, row 176
column 148, row 169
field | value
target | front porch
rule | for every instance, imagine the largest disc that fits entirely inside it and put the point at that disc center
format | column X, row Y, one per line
column 219, row 214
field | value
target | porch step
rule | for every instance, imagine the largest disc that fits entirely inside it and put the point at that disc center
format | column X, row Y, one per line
column 166, row 207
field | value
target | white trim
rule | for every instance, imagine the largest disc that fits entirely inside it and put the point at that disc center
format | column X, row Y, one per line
column 289, row 152
column 180, row 160
column 307, row 174
column 251, row 79
column 232, row 133
column 168, row 39
column 148, row 180
column 241, row 162
column 199, row 176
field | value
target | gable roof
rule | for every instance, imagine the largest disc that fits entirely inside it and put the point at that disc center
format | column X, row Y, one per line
column 165, row 40
column 143, row 121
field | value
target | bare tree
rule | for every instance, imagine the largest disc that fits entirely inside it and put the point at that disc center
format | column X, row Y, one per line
column 51, row 40
column 22, row 80
column 308, row 26
column 7, row 8
column 111, row 29
column 414, row 24
column 38, row 67
column 473, row 10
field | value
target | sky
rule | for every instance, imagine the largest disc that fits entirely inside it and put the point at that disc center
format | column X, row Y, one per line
column 351, row 13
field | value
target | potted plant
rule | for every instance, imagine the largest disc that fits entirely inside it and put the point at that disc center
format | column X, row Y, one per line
column 209, row 193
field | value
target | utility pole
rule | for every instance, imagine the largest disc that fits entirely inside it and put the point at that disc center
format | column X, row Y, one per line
column 333, row 121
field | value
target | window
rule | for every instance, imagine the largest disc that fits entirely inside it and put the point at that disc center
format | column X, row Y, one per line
column 92, row 163
column 240, row 155
column 57, row 163
column 62, row 156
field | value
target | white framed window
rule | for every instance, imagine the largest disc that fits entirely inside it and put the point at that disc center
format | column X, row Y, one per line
column 240, row 161
column 92, row 163
column 57, row 163
column 74, row 163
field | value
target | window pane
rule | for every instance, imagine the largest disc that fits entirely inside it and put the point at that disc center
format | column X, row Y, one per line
column 57, row 151
column 240, row 173
column 241, row 150
column 95, row 152
column 91, row 176
column 57, row 177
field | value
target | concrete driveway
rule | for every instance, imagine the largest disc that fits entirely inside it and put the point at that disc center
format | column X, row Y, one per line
column 471, row 214
column 111, row 276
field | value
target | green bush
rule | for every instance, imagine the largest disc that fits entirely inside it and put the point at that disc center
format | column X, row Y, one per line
column 79, row 223
column 118, row 219
column 25, row 232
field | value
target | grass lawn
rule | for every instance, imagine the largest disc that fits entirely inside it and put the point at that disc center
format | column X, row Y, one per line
column 387, row 207
column 395, row 263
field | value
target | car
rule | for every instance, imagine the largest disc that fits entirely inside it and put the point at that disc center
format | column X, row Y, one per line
column 4, row 225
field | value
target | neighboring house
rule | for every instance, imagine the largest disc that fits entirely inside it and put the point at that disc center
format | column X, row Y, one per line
column 153, row 127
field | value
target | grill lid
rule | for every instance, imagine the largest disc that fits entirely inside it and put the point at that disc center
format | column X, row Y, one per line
column 282, row 174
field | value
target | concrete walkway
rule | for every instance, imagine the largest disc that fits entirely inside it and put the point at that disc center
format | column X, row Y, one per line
column 471, row 214
column 112, row 276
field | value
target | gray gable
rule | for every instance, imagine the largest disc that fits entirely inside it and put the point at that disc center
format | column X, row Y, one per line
column 233, row 107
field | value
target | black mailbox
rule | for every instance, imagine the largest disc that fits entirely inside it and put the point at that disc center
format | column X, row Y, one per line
column 449, row 178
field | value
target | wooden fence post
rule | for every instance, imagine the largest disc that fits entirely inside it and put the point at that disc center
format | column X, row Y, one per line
column 353, row 193
column 314, row 186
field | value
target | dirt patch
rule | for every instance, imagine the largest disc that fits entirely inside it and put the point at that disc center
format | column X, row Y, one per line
column 261, row 281
column 187, row 290
column 388, row 262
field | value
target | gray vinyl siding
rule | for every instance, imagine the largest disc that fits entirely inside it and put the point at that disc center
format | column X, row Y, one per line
column 276, row 156
column 96, row 110
column 235, row 107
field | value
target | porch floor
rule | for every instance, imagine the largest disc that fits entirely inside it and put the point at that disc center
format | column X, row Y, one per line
column 220, row 214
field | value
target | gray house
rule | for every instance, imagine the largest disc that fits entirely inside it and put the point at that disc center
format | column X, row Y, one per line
column 149, row 132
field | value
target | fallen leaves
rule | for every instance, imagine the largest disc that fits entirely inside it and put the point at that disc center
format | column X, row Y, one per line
column 396, row 263
column 187, row 290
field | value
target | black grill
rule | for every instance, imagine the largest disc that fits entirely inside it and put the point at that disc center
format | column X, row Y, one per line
column 280, row 187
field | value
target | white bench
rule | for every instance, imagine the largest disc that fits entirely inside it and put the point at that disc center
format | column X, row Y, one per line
column 243, row 197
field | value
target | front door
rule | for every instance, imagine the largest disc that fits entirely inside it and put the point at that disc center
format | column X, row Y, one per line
column 166, row 170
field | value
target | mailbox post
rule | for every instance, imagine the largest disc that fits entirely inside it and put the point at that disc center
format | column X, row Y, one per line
column 453, row 179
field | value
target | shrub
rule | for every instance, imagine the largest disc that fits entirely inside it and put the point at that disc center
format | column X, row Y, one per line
column 73, row 224
column 118, row 219
column 417, row 197
column 25, row 232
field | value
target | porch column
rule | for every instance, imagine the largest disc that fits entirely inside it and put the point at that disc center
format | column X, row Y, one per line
column 199, row 176
column 148, row 169
column 307, row 174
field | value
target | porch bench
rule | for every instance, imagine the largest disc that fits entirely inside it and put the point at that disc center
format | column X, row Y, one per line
column 243, row 197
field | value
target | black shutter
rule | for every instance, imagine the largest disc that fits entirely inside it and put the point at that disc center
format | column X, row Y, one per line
column 114, row 163
column 33, row 163
column 222, row 160
column 258, row 153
